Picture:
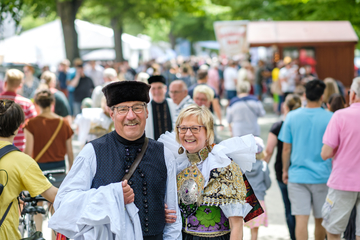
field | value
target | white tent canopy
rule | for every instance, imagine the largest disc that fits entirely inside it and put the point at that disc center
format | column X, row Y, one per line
column 45, row 44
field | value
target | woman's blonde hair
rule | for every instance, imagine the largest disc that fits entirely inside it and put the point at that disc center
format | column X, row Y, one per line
column 293, row 101
column 47, row 77
column 204, row 117
column 208, row 91
column 331, row 88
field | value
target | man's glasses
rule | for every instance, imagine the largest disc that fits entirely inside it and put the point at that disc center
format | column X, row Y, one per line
column 350, row 92
column 123, row 110
column 194, row 129
column 175, row 92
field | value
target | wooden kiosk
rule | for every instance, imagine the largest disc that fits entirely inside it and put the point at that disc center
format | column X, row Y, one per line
column 332, row 43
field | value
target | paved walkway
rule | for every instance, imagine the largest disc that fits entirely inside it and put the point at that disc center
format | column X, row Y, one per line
column 277, row 228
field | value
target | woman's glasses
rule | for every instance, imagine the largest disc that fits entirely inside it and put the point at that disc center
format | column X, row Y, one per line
column 194, row 129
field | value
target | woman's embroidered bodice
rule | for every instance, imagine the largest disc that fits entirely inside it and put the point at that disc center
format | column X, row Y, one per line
column 199, row 204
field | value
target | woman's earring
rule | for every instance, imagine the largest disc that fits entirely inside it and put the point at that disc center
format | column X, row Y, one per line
column 181, row 150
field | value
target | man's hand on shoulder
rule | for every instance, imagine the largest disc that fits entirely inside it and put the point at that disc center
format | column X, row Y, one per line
column 170, row 215
column 128, row 192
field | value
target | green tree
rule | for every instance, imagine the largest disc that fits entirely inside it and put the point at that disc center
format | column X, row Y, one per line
column 198, row 25
column 65, row 9
column 140, row 13
column 308, row 10
column 12, row 8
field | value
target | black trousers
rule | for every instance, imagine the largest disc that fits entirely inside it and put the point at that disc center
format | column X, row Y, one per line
column 156, row 237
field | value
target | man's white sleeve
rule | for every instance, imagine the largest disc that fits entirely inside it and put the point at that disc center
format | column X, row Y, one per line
column 172, row 231
column 81, row 211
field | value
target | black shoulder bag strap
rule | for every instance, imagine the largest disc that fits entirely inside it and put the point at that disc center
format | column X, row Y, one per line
column 136, row 161
column 5, row 150
column 252, row 110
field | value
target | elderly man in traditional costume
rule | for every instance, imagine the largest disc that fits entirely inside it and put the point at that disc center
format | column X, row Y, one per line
column 96, row 199
column 161, row 109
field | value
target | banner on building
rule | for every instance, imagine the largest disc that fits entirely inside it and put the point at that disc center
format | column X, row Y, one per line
column 231, row 36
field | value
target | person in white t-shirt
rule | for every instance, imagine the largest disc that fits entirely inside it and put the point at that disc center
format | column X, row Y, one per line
column 287, row 76
column 109, row 75
column 230, row 79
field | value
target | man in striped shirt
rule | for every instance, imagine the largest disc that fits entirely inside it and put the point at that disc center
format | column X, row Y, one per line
column 13, row 81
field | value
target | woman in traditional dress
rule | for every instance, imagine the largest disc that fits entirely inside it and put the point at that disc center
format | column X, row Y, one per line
column 214, row 196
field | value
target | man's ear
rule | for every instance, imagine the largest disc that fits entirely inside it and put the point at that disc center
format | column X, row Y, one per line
column 352, row 100
column 147, row 113
column 111, row 113
column 20, row 86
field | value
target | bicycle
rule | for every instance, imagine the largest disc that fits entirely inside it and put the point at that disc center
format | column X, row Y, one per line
column 27, row 224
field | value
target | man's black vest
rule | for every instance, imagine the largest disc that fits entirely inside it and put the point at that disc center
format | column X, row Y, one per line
column 114, row 155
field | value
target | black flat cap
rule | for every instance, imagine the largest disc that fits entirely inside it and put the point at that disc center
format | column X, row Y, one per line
column 126, row 91
column 157, row 78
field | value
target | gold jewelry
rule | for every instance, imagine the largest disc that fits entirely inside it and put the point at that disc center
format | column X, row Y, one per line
column 181, row 150
column 199, row 157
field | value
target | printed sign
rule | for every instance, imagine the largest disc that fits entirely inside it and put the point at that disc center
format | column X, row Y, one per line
column 231, row 36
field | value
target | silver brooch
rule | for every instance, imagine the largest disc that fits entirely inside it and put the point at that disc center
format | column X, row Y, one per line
column 189, row 192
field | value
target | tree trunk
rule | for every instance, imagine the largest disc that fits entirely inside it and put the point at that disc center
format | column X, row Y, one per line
column 117, row 27
column 67, row 11
column 172, row 38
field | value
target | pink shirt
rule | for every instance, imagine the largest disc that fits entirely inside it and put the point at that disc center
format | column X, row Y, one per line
column 343, row 133
column 214, row 79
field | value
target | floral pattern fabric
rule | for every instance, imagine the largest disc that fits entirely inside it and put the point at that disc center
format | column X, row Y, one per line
column 206, row 221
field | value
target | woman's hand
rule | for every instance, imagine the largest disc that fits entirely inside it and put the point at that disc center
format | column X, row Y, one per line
column 170, row 216
column 236, row 227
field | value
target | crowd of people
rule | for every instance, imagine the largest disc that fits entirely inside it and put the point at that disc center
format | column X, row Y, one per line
column 153, row 164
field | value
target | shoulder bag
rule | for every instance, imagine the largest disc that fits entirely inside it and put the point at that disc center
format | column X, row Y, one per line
column 50, row 141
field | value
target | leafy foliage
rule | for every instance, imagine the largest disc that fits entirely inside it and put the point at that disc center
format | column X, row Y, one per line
column 190, row 19
column 12, row 8
column 305, row 10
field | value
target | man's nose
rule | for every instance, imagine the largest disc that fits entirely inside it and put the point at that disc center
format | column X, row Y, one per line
column 131, row 114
